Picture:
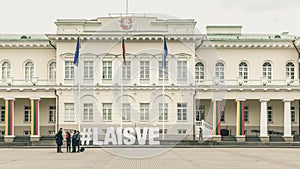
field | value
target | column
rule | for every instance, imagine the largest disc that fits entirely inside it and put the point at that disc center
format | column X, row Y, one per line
column 35, row 119
column 9, row 120
column 287, row 136
column 217, row 103
column 264, row 137
column 240, row 120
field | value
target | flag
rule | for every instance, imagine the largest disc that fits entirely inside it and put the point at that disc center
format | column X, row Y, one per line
column 165, row 53
column 76, row 56
column 123, row 50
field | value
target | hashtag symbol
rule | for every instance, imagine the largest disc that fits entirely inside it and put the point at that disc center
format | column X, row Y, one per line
column 87, row 136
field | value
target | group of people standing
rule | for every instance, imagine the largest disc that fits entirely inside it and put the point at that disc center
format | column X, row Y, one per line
column 74, row 139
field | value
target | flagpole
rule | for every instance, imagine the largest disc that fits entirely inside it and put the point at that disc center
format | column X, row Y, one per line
column 126, row 7
column 163, row 115
column 122, row 67
column 77, row 67
column 78, row 109
column 165, row 53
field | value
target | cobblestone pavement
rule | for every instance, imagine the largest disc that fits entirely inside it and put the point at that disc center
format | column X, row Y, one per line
column 176, row 158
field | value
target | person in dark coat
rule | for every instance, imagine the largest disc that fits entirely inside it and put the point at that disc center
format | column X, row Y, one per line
column 59, row 140
column 201, row 135
column 68, row 138
column 74, row 137
column 78, row 141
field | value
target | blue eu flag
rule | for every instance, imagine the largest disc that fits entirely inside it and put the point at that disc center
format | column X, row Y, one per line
column 76, row 56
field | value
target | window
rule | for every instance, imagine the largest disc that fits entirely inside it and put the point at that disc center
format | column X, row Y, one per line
column 52, row 72
column 126, row 74
column 69, row 70
column 106, row 110
column 88, row 72
column 126, row 111
column 26, row 133
column 243, row 71
column 52, row 113
column 200, row 112
column 2, row 118
column 246, row 114
column 293, row 114
column 144, row 111
column 51, row 132
column 181, row 131
column 5, row 70
column 222, row 113
column 107, row 70
column 199, row 71
column 219, row 71
column 69, row 112
column 160, row 74
column 182, row 70
column 267, row 71
column 161, row 131
column 290, row 70
column 29, row 70
column 269, row 114
column 27, row 114
column 144, row 69
column 88, row 112
column 163, row 106
column 2, row 133
column 181, row 111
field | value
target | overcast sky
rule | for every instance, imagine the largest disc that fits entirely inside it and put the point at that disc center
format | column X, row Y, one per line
column 256, row 16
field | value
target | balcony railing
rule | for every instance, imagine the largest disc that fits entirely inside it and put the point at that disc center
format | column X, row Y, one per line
column 250, row 82
column 27, row 82
column 210, row 82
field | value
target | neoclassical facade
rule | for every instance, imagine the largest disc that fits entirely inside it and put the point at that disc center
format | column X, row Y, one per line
column 224, row 81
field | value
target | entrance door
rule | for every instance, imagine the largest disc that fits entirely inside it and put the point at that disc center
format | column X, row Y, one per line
column 200, row 112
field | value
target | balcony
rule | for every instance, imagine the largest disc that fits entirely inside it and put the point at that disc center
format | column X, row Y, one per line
column 236, row 83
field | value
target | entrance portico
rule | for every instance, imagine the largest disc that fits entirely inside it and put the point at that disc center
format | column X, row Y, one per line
column 263, row 119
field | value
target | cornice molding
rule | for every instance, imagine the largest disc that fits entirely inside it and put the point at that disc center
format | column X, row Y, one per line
column 117, row 37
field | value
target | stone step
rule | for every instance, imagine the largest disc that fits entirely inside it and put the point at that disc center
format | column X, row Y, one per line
column 252, row 139
column 13, row 144
column 228, row 138
column 276, row 139
column 22, row 139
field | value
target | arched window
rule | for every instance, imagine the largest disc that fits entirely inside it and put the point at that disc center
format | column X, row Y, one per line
column 243, row 70
column 290, row 70
column 219, row 72
column 29, row 70
column 52, row 71
column 199, row 71
column 5, row 70
column 267, row 71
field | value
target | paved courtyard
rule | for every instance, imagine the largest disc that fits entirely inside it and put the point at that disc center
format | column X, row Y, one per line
column 187, row 158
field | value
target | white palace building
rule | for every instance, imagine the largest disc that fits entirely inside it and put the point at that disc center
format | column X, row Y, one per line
column 227, row 83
